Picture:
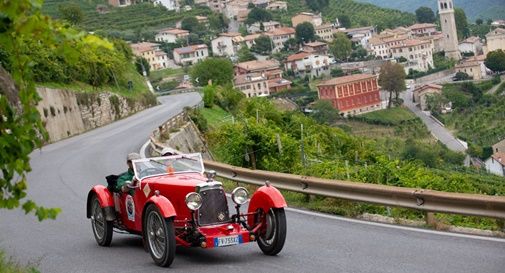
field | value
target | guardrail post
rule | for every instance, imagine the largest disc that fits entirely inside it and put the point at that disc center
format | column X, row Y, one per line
column 431, row 220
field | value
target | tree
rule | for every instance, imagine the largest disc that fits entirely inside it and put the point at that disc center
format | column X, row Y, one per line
column 262, row 45
column 317, row 5
column 305, row 32
column 217, row 70
column 359, row 54
column 228, row 97
column 291, row 44
column 71, row 12
column 425, row 15
column 341, row 46
column 209, row 93
column 337, row 72
column 190, row 24
column 244, row 54
column 218, row 22
column 495, row 60
column 461, row 23
column 392, row 79
column 345, row 21
column 324, row 112
column 258, row 15
column 250, row 5
column 479, row 22
column 461, row 76
column 142, row 65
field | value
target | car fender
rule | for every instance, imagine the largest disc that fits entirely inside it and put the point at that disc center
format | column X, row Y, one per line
column 105, row 199
column 166, row 208
column 265, row 198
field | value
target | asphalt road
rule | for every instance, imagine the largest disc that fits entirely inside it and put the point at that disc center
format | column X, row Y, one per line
column 438, row 131
column 64, row 172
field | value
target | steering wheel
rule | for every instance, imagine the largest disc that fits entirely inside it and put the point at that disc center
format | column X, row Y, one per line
column 150, row 171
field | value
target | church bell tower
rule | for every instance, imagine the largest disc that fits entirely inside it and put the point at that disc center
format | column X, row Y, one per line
column 448, row 23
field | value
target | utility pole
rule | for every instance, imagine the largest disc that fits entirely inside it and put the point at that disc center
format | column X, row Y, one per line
column 302, row 147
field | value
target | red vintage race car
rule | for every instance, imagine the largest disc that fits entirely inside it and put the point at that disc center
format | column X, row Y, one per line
column 174, row 203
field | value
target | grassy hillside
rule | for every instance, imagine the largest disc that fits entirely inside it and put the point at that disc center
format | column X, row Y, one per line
column 494, row 9
column 123, row 22
column 361, row 14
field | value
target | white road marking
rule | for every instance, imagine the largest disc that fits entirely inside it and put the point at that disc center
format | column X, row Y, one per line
column 144, row 148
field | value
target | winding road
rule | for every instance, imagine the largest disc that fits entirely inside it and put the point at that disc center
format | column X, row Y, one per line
column 63, row 173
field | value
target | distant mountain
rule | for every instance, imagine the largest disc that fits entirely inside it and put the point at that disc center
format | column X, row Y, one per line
column 484, row 9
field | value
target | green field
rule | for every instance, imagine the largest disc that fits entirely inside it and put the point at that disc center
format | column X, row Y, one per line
column 361, row 14
column 216, row 116
column 392, row 116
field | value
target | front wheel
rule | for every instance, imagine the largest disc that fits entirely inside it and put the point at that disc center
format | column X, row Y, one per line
column 102, row 229
column 160, row 236
column 272, row 237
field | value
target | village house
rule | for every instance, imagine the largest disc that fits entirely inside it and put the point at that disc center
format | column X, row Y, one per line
column 496, row 164
column 267, row 26
column 120, row 3
column 379, row 48
column 269, row 68
column 495, row 40
column 249, row 39
column 308, row 64
column 361, row 35
column 191, row 54
column 279, row 36
column 235, row 7
column 474, row 67
column 436, row 40
column 325, row 32
column 156, row 57
column 227, row 44
column 314, row 19
column 499, row 147
column 252, row 85
column 277, row 5
column 418, row 54
column 424, row 29
column 168, row 4
column 471, row 45
column 421, row 93
column 351, row 95
column 316, row 48
column 217, row 5
column 170, row 35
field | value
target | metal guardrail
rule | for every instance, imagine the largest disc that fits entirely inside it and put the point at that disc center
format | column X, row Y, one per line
column 426, row 200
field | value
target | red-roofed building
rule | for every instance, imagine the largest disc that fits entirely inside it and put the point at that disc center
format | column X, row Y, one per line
column 156, row 57
column 418, row 53
column 279, row 36
column 170, row 35
column 316, row 47
column 423, row 29
column 311, row 64
column 422, row 92
column 352, row 95
column 190, row 54
column 269, row 68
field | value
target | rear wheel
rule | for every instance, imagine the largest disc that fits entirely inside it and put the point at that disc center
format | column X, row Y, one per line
column 159, row 236
column 102, row 229
column 271, row 238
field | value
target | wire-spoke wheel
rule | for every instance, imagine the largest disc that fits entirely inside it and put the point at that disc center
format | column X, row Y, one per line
column 102, row 229
column 272, row 237
column 160, row 237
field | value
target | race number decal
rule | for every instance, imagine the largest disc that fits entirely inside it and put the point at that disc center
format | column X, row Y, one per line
column 130, row 208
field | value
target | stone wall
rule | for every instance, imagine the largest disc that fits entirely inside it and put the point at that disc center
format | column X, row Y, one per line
column 66, row 113
column 188, row 140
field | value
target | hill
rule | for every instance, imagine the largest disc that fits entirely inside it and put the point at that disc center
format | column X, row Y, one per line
column 484, row 9
column 361, row 14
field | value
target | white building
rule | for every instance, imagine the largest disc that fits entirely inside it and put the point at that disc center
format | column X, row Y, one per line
column 227, row 44
column 217, row 5
column 252, row 85
column 267, row 26
column 471, row 45
column 495, row 40
column 424, row 29
column 279, row 36
column 190, row 54
column 156, row 58
column 170, row 35
column 325, row 32
column 361, row 35
column 496, row 164
column 277, row 5
column 314, row 19
column 474, row 67
column 305, row 63
column 169, row 4
column 419, row 54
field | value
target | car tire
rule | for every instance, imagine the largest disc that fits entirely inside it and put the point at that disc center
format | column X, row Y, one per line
column 159, row 236
column 102, row 229
column 271, row 240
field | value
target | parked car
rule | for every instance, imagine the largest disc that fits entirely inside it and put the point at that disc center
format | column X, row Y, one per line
column 174, row 204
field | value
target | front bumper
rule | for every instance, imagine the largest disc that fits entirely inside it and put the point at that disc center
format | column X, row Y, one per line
column 212, row 235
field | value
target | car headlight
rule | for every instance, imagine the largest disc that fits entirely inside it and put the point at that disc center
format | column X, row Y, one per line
column 239, row 196
column 193, row 200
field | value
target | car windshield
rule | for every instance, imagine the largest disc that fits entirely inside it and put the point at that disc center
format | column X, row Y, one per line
column 155, row 166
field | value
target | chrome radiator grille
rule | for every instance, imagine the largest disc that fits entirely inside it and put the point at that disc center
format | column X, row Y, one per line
column 214, row 209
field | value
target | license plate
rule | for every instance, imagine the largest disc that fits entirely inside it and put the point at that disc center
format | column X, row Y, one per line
column 227, row 241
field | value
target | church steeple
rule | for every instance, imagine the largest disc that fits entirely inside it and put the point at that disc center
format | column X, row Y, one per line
column 448, row 24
